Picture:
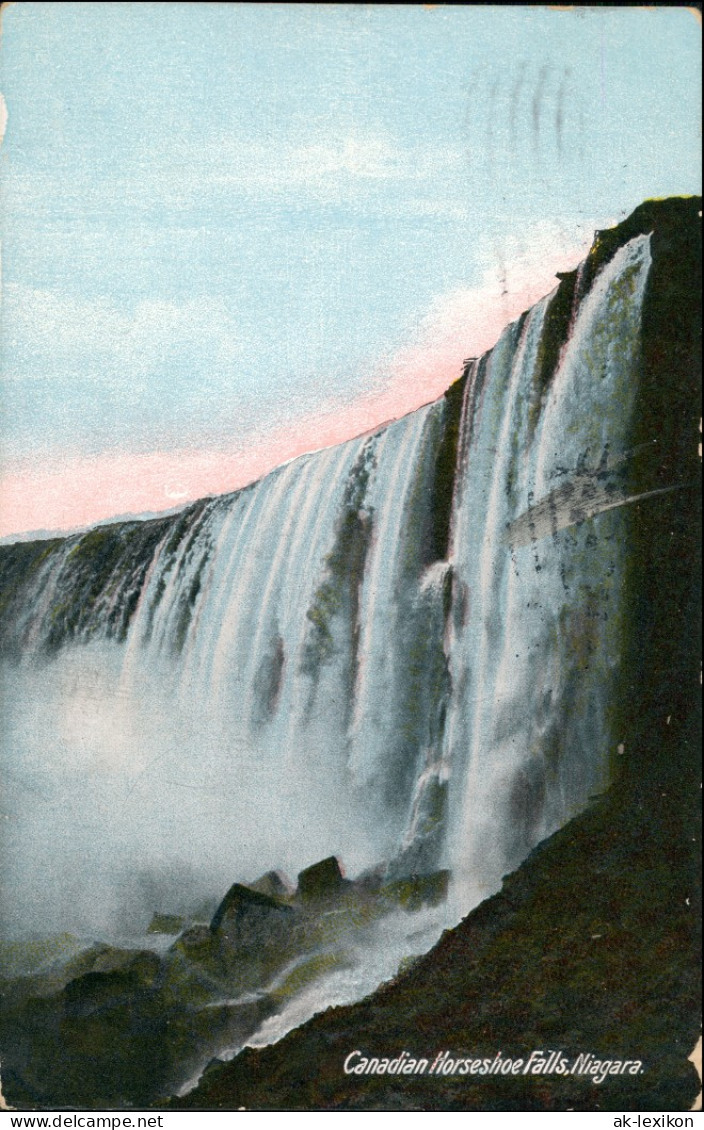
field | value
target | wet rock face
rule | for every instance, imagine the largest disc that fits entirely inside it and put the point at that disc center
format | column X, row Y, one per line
column 322, row 880
column 417, row 891
column 195, row 943
column 166, row 924
column 251, row 929
column 120, row 1027
column 275, row 884
column 243, row 908
column 95, row 1033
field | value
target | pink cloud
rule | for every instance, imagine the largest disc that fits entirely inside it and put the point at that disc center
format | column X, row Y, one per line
column 79, row 491
column 468, row 321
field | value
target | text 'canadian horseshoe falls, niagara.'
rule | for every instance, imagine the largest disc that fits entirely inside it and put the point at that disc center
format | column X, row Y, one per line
column 400, row 651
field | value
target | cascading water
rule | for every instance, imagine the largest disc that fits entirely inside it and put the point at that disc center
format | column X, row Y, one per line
column 532, row 655
column 297, row 669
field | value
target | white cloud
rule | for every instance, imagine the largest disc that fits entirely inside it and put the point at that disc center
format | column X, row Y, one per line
column 44, row 332
column 184, row 176
column 466, row 321
column 283, row 164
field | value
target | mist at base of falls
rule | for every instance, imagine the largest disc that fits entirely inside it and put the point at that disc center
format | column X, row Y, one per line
column 117, row 805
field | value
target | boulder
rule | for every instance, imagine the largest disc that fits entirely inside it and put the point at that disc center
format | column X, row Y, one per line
column 274, row 884
column 196, row 944
column 166, row 924
column 321, row 880
column 251, row 927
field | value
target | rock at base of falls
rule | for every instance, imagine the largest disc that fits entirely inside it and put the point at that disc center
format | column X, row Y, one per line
column 275, row 884
column 166, row 924
column 417, row 891
column 251, row 935
column 321, row 880
column 590, row 947
column 244, row 913
column 98, row 1024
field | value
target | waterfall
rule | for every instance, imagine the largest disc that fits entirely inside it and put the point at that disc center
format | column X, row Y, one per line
column 532, row 658
column 296, row 669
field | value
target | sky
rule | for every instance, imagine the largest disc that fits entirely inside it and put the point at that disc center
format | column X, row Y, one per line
column 232, row 233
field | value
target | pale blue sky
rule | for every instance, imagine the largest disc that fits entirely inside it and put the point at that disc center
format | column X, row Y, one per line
column 217, row 216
